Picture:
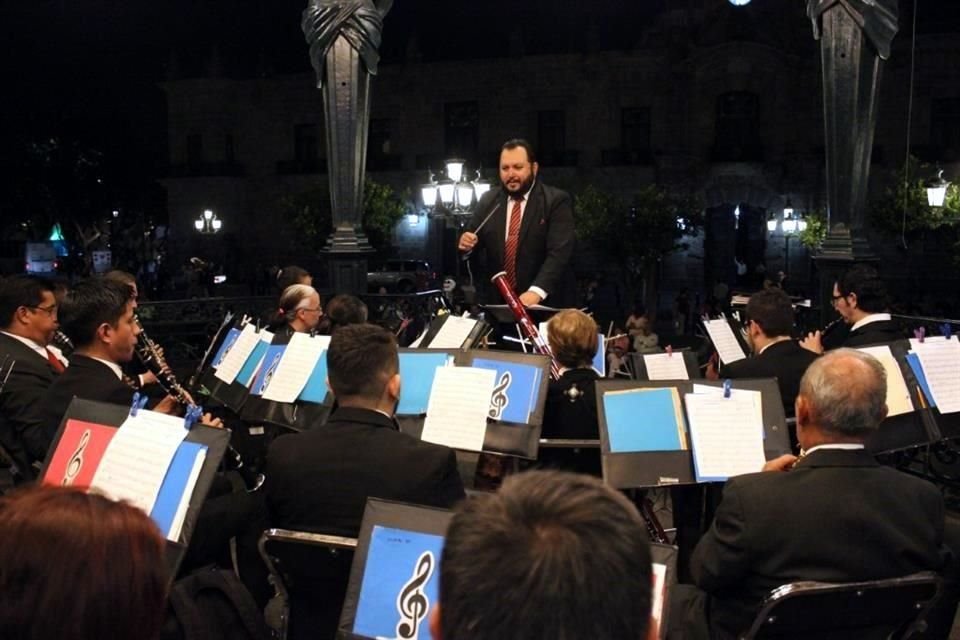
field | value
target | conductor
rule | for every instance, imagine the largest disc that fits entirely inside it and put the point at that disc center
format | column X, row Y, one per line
column 526, row 229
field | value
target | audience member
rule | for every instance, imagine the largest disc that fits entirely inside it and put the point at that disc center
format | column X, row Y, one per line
column 571, row 408
column 834, row 515
column 551, row 555
column 860, row 297
column 642, row 337
column 28, row 313
column 77, row 566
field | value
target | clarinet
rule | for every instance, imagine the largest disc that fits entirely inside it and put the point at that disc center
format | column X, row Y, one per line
column 525, row 322
column 63, row 342
column 148, row 353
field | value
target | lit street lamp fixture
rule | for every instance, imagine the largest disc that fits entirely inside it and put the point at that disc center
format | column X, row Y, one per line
column 208, row 223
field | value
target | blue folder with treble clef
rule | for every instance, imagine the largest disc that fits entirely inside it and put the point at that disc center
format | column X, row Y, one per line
column 516, row 390
column 395, row 572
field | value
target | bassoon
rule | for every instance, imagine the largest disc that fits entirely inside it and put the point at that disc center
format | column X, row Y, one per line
column 525, row 322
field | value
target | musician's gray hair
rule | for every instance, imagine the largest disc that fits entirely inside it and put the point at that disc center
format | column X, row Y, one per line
column 847, row 390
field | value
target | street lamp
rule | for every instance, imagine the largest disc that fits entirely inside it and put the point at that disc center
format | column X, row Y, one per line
column 453, row 194
column 208, row 222
column 791, row 223
column 937, row 190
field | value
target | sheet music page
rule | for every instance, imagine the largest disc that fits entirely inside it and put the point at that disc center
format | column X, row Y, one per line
column 296, row 365
column 177, row 526
column 914, row 341
column 453, row 333
column 665, row 366
column 726, row 433
column 458, row 406
column 238, row 354
column 724, row 341
column 659, row 591
column 898, row 396
column 940, row 360
column 755, row 398
column 137, row 458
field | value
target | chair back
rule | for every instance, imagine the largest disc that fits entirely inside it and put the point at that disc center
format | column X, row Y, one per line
column 309, row 572
column 890, row 608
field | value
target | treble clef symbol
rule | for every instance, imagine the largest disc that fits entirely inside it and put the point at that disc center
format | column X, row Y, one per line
column 76, row 460
column 272, row 370
column 412, row 602
column 499, row 400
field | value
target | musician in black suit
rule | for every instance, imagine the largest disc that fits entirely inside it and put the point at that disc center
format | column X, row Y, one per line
column 775, row 354
column 28, row 312
column 860, row 297
column 834, row 515
column 533, row 224
column 570, row 412
column 98, row 316
column 320, row 480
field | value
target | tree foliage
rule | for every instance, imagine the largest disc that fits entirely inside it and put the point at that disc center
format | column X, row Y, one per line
column 309, row 213
column 637, row 234
column 907, row 192
column 816, row 229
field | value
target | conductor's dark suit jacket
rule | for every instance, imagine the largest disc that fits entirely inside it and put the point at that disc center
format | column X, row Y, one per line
column 320, row 480
column 23, row 433
column 546, row 243
column 838, row 516
column 88, row 379
column 786, row 361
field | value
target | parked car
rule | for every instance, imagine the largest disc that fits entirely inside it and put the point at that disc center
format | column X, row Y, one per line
column 401, row 276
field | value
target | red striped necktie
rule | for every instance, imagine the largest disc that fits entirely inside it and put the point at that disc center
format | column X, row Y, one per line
column 513, row 242
column 54, row 361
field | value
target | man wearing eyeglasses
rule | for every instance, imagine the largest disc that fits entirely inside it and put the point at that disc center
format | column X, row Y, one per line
column 860, row 297
column 28, row 320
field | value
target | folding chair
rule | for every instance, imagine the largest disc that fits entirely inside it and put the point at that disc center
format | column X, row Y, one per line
column 309, row 572
column 889, row 609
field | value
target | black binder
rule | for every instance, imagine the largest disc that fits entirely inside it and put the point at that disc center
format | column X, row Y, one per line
column 113, row 415
column 656, row 468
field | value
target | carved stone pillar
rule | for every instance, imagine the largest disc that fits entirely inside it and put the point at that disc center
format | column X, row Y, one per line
column 344, row 37
column 855, row 38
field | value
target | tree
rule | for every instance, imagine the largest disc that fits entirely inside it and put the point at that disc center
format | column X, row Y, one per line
column 309, row 212
column 638, row 235
column 903, row 207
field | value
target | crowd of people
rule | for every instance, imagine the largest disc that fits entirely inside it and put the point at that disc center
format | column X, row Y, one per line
column 552, row 553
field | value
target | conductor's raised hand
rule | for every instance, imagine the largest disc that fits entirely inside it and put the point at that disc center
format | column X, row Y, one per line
column 467, row 241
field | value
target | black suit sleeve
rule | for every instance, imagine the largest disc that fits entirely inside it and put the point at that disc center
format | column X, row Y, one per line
column 722, row 557
column 560, row 243
column 444, row 488
column 22, row 397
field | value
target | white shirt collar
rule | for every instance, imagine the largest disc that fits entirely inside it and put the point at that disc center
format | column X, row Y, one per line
column 873, row 317
column 113, row 366
column 839, row 445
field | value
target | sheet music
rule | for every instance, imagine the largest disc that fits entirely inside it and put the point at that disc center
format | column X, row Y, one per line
column 453, row 333
column 457, row 411
column 940, row 361
column 755, row 398
column 898, row 396
column 659, row 592
column 665, row 366
column 233, row 361
column 177, row 526
column 726, row 433
column 298, row 361
column 252, row 366
column 724, row 341
column 137, row 458
column 914, row 341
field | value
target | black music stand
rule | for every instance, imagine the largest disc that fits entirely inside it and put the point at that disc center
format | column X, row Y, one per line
column 636, row 470
column 514, row 438
column 112, row 416
column 393, row 542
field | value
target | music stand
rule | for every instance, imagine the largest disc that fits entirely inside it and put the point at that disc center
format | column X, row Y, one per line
column 112, row 416
column 907, row 430
column 634, row 470
column 397, row 544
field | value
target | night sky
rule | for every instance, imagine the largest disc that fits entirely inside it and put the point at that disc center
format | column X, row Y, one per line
column 89, row 68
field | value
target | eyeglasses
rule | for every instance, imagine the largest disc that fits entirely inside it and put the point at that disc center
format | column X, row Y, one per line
column 50, row 311
column 833, row 300
column 316, row 309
